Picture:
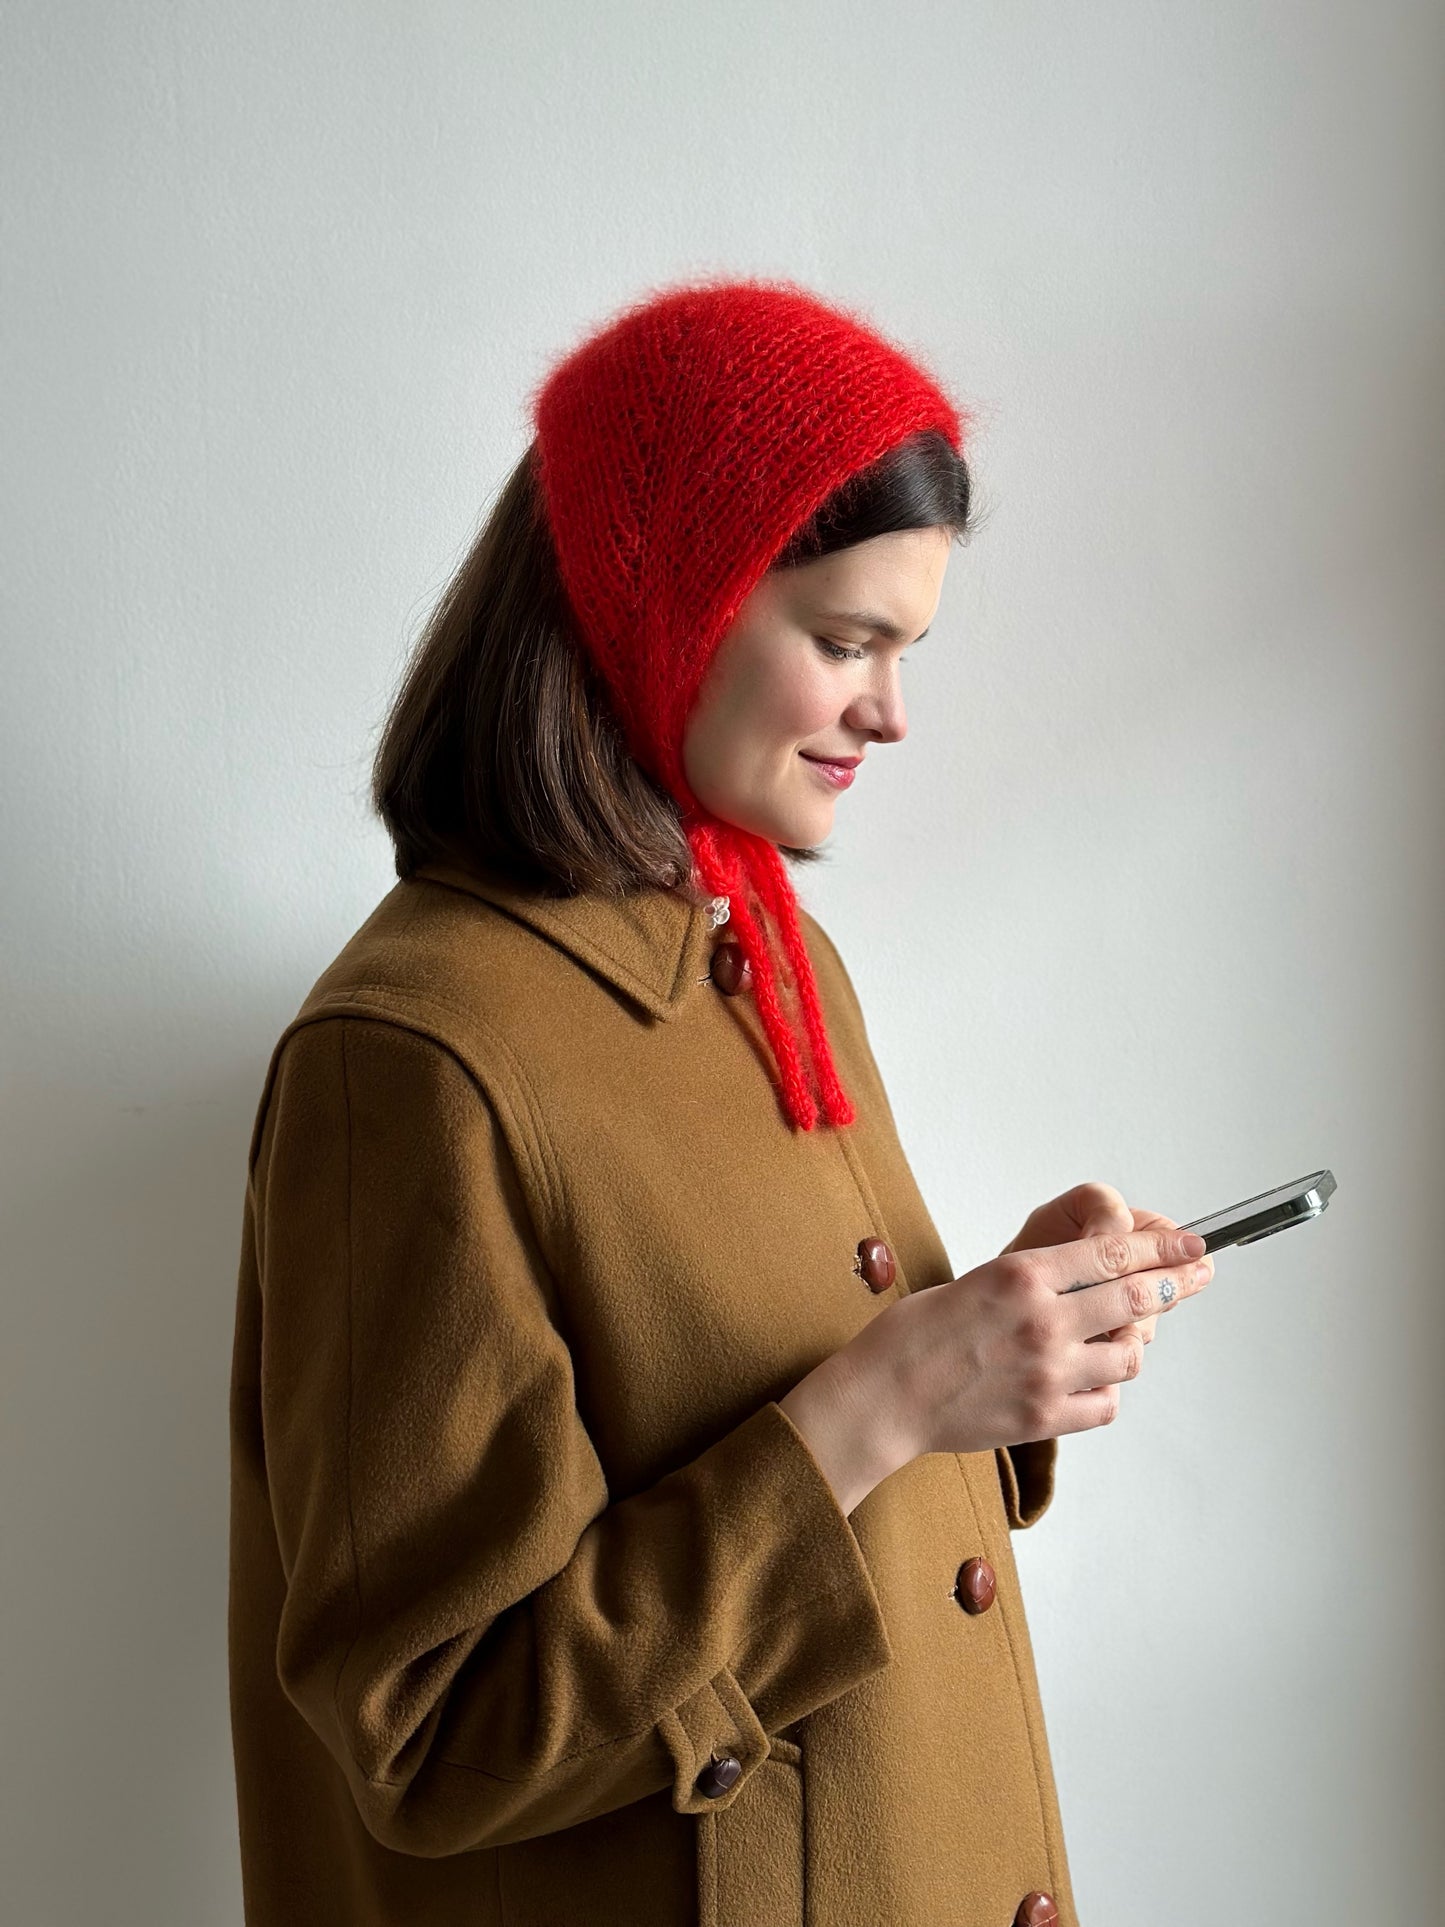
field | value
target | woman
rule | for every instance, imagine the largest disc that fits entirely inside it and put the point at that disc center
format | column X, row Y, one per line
column 622, row 1482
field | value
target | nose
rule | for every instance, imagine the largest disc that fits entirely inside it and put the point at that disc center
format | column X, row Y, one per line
column 878, row 708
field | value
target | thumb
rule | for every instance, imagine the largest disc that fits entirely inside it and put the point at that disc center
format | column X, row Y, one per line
column 1107, row 1217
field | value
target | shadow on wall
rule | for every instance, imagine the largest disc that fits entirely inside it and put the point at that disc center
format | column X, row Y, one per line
column 124, row 1242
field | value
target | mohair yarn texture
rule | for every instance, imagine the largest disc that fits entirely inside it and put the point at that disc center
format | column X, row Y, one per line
column 678, row 448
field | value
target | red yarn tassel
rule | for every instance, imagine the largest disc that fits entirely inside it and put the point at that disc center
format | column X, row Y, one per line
column 728, row 865
column 782, row 901
column 725, row 871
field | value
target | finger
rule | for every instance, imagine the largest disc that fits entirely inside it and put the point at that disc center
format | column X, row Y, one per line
column 1106, row 1362
column 1146, row 1294
column 1112, row 1255
column 1099, row 1208
column 1143, row 1326
column 1090, row 1207
column 1084, row 1410
column 1153, row 1221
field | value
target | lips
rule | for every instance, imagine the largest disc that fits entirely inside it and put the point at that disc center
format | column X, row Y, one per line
column 840, row 775
column 835, row 762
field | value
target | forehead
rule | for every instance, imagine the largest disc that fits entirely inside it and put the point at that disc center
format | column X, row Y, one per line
column 886, row 582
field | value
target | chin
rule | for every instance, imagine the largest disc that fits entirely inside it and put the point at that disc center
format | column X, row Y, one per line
column 788, row 833
column 801, row 833
column 796, row 828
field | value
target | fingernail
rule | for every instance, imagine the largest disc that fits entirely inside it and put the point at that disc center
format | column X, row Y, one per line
column 1192, row 1245
column 1202, row 1274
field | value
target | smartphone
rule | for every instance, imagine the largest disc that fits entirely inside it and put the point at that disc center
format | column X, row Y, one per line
column 1261, row 1217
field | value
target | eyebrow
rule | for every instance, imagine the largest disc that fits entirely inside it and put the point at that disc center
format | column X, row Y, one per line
column 865, row 619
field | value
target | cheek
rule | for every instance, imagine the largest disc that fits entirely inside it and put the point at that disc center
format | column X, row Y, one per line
column 758, row 706
column 805, row 699
column 773, row 708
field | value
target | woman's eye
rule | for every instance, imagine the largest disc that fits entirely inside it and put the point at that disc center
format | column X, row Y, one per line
column 836, row 652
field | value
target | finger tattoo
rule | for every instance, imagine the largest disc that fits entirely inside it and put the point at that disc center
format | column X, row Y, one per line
column 1166, row 1290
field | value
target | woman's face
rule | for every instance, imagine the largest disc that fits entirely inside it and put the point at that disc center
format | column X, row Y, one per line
column 798, row 679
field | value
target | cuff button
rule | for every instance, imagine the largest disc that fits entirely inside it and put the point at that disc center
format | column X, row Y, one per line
column 718, row 1775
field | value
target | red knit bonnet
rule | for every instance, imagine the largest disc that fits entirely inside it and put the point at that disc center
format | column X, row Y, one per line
column 678, row 449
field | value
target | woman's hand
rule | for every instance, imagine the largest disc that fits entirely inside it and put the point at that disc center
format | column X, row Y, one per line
column 1008, row 1353
column 1085, row 1212
column 1004, row 1353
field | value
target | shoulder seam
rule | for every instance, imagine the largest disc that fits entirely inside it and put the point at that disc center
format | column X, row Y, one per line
column 511, row 1091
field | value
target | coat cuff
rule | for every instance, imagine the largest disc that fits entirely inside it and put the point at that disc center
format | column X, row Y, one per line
column 1026, row 1473
column 716, row 1740
column 824, row 1605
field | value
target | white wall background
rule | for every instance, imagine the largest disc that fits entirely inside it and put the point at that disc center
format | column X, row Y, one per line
column 1152, row 894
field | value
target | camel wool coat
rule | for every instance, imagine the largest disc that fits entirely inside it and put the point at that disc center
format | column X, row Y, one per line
column 526, row 1559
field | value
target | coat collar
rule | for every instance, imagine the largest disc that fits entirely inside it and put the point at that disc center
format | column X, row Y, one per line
column 654, row 945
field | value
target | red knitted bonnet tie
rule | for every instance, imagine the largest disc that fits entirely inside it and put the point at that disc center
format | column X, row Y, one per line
column 678, row 448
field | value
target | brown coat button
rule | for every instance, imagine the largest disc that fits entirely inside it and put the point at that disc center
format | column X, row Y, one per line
column 731, row 971
column 717, row 1776
column 1036, row 1910
column 974, row 1589
column 875, row 1262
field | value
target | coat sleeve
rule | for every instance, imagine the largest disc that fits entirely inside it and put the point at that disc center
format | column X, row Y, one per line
column 487, row 1647
column 1026, row 1472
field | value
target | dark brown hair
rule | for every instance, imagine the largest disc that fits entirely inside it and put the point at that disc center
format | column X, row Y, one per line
column 501, row 750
